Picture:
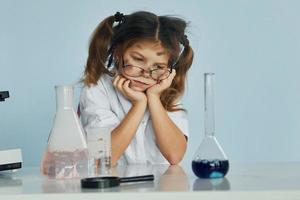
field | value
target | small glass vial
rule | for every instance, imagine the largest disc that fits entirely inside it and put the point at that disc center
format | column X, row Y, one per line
column 210, row 160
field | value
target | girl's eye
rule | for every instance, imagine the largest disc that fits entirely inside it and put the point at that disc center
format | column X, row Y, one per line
column 138, row 59
column 160, row 67
column 127, row 65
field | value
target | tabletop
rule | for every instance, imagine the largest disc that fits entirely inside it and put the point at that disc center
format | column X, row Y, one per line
column 244, row 180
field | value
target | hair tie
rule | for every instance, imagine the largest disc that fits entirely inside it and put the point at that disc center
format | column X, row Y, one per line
column 185, row 41
column 119, row 17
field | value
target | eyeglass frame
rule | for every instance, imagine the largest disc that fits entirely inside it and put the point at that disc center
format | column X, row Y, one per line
column 169, row 69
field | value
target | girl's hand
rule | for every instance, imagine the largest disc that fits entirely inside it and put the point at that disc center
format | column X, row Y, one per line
column 158, row 88
column 122, row 84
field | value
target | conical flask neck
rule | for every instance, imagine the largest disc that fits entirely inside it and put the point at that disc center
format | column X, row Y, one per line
column 64, row 97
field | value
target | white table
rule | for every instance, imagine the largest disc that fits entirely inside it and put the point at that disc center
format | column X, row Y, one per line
column 244, row 181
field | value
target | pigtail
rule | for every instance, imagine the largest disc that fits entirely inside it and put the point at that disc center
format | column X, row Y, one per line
column 184, row 63
column 99, row 52
column 176, row 90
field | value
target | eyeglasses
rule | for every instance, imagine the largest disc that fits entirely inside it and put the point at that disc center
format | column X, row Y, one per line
column 157, row 74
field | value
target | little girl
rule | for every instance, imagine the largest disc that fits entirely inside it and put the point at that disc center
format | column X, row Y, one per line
column 134, row 78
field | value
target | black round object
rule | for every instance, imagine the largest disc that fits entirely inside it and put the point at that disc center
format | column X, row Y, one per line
column 100, row 182
column 112, row 181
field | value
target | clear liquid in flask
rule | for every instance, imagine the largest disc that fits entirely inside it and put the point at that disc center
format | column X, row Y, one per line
column 63, row 164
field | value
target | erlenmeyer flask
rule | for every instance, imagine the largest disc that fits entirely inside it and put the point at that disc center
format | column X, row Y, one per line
column 66, row 155
column 210, row 160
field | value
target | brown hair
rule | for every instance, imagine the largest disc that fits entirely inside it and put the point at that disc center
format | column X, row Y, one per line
column 108, row 41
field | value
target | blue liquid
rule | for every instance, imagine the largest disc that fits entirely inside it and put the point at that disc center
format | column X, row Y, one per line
column 210, row 168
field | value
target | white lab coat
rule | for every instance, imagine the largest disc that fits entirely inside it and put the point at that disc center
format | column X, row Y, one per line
column 103, row 105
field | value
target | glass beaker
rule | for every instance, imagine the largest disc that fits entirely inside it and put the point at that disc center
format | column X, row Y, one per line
column 66, row 155
column 99, row 146
column 210, row 160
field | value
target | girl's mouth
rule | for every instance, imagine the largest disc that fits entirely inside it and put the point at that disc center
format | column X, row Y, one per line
column 139, row 83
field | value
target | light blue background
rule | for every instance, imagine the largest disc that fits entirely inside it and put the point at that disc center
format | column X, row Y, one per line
column 252, row 46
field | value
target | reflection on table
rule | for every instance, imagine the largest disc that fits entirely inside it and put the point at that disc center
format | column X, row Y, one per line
column 10, row 184
column 167, row 178
column 211, row 184
column 173, row 179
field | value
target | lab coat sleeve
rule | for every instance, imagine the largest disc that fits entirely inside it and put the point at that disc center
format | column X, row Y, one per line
column 180, row 120
column 95, row 108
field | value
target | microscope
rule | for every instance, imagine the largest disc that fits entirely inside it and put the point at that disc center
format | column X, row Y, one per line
column 10, row 159
column 4, row 95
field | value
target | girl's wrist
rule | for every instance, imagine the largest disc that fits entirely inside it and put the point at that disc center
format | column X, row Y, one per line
column 152, row 96
column 142, row 103
column 152, row 93
column 153, row 99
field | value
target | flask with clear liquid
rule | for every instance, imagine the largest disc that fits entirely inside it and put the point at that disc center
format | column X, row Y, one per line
column 210, row 160
column 66, row 155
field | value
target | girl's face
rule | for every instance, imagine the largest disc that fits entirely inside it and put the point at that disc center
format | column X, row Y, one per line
column 148, row 56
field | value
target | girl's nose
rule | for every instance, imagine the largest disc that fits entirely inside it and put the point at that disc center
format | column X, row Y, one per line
column 146, row 74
